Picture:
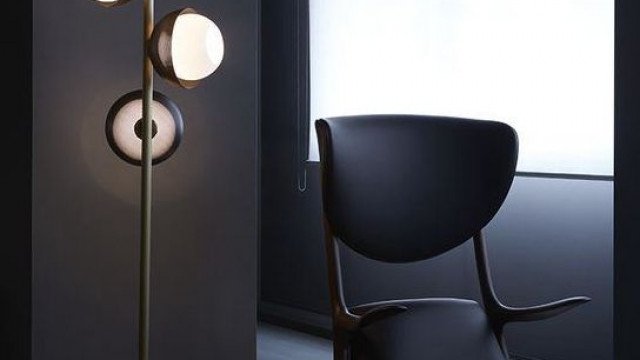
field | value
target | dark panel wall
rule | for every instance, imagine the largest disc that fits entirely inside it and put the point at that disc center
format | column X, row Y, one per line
column 85, row 215
column 553, row 237
column 627, row 170
column 15, row 261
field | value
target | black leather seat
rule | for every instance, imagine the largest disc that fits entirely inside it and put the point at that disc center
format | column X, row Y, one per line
column 399, row 188
column 468, row 334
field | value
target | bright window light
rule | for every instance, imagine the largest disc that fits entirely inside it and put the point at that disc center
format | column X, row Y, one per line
column 543, row 66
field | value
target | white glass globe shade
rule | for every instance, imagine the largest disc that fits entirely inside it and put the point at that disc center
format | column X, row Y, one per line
column 197, row 47
column 186, row 47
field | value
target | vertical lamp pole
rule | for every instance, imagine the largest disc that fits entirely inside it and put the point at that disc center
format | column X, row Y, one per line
column 205, row 50
column 146, row 188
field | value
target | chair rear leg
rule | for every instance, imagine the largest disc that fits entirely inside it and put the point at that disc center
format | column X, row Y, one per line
column 341, row 348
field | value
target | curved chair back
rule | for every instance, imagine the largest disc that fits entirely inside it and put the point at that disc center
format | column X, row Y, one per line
column 402, row 188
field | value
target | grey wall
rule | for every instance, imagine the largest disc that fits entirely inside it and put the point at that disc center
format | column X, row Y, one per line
column 85, row 214
column 554, row 238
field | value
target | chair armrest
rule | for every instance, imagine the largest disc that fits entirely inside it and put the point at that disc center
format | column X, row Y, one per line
column 540, row 312
column 503, row 314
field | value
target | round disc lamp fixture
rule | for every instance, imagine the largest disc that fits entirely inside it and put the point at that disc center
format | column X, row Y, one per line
column 124, row 127
column 186, row 47
column 111, row 3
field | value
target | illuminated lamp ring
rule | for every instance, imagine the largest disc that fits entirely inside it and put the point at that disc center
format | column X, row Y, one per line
column 169, row 106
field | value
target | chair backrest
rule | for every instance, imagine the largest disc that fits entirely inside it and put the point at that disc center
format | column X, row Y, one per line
column 402, row 188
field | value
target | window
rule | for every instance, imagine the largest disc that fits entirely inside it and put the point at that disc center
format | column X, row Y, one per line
column 543, row 66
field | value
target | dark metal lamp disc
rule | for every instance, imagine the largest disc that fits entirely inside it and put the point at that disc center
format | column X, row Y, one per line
column 124, row 127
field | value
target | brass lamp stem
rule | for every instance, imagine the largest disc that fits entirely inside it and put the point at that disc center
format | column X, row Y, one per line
column 146, row 193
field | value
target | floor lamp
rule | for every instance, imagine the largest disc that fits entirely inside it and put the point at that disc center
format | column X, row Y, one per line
column 145, row 127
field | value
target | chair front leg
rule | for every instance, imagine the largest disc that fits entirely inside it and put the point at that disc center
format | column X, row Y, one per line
column 341, row 347
column 498, row 330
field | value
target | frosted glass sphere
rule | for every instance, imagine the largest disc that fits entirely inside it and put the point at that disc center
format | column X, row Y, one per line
column 186, row 47
column 197, row 47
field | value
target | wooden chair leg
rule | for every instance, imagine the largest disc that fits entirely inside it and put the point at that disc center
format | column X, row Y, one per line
column 341, row 348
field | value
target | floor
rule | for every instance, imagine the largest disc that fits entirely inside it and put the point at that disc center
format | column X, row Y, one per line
column 276, row 343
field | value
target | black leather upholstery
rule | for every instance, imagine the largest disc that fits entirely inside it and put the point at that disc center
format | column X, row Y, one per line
column 407, row 188
column 431, row 329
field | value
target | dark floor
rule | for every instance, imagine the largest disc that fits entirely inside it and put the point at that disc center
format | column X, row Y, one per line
column 277, row 343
